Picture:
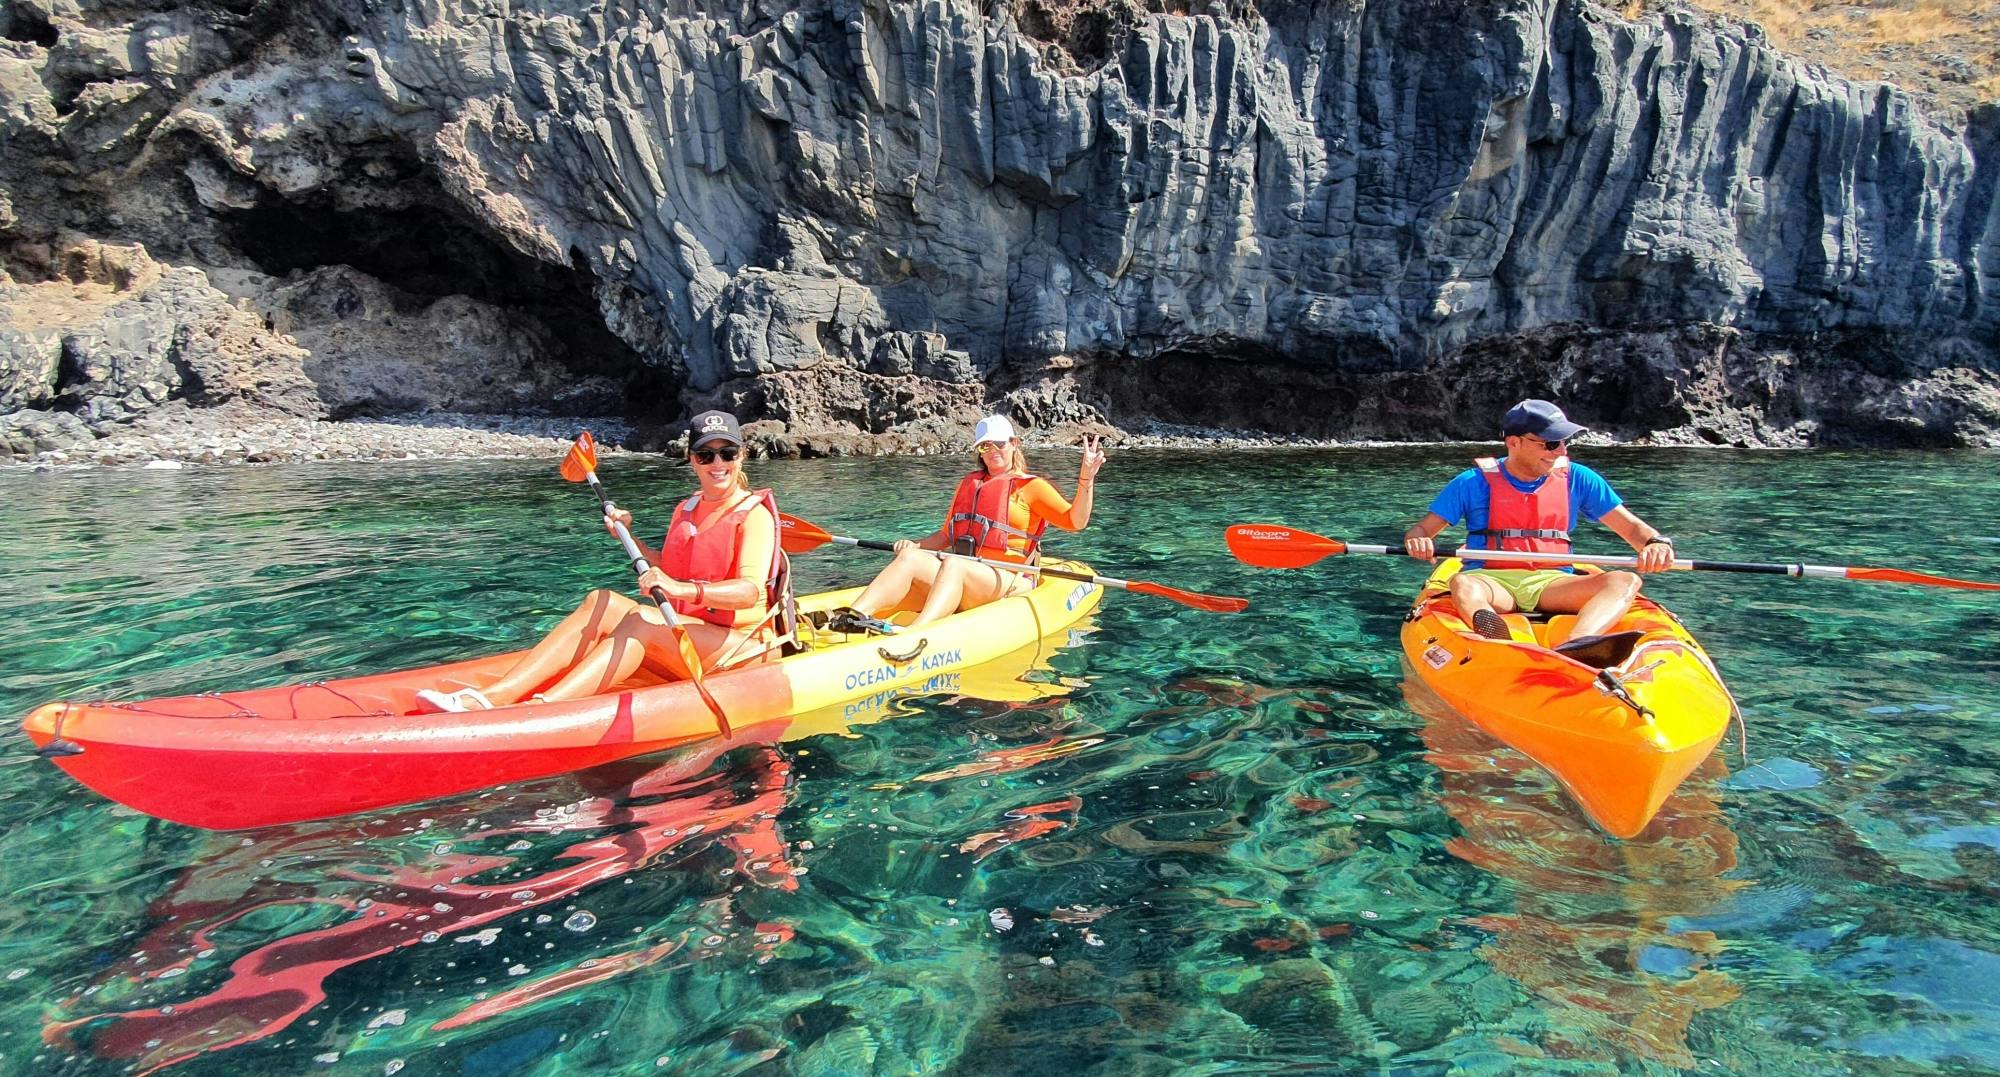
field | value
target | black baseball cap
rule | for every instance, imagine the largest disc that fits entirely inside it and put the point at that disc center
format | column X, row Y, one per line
column 714, row 426
column 1540, row 418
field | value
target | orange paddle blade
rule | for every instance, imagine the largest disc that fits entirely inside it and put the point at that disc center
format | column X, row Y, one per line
column 1897, row 575
column 1210, row 603
column 582, row 458
column 798, row 536
column 1278, row 546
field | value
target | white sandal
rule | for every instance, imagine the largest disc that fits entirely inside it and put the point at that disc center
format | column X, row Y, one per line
column 465, row 699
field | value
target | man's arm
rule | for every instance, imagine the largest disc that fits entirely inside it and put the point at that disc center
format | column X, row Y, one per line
column 1638, row 534
column 1417, row 541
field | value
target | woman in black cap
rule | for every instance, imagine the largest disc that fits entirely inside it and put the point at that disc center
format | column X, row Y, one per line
column 719, row 565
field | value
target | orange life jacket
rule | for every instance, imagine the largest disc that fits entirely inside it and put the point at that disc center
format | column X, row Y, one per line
column 708, row 554
column 982, row 519
column 1537, row 522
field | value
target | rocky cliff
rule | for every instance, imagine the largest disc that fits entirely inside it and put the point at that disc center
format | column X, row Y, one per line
column 1340, row 219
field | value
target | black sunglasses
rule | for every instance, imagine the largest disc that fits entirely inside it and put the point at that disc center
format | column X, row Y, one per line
column 707, row 456
column 1546, row 443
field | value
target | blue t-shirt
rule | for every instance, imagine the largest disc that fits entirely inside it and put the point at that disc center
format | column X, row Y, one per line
column 1466, row 499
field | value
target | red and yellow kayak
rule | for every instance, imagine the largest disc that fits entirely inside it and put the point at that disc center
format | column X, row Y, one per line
column 230, row 760
column 1620, row 738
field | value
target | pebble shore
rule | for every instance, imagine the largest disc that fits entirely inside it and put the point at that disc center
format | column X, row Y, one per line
column 187, row 436
column 190, row 436
column 196, row 437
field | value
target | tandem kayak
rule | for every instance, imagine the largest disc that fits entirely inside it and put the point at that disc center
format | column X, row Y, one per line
column 230, row 760
column 1620, row 735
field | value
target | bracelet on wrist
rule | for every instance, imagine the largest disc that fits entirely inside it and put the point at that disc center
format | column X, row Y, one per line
column 699, row 595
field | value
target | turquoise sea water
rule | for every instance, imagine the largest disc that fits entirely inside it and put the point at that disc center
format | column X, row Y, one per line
column 1233, row 845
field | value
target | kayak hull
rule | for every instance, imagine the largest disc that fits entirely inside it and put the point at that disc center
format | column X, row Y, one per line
column 232, row 760
column 1620, row 756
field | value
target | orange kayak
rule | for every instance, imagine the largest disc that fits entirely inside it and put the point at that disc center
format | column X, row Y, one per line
column 260, row 757
column 1621, row 737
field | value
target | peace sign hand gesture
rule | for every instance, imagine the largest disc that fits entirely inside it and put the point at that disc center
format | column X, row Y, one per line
column 1093, row 458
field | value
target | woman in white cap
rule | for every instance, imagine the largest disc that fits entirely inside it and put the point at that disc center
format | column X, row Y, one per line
column 719, row 564
column 998, row 512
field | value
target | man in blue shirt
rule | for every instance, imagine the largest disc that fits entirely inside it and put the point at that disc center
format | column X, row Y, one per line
column 1537, row 436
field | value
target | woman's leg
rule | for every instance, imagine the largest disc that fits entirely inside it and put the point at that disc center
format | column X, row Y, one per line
column 960, row 585
column 641, row 639
column 912, row 569
column 565, row 646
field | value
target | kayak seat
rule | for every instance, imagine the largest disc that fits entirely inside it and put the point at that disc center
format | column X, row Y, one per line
column 785, row 604
column 1519, row 628
column 1559, row 626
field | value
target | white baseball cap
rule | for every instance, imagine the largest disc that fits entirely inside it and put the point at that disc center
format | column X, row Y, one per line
column 994, row 428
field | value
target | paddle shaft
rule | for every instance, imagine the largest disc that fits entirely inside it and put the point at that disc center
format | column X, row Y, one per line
column 1463, row 553
column 890, row 547
column 689, row 653
column 638, row 556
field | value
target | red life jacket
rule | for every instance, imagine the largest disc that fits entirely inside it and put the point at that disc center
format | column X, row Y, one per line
column 1537, row 522
column 708, row 554
column 982, row 517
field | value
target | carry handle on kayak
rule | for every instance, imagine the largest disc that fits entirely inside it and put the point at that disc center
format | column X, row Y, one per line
column 1279, row 546
column 580, row 465
column 798, row 536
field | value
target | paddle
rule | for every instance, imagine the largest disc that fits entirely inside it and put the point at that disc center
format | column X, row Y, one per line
column 580, row 465
column 798, row 536
column 1278, row 546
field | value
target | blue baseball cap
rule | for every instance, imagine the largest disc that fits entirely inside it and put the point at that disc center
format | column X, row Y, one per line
column 1540, row 418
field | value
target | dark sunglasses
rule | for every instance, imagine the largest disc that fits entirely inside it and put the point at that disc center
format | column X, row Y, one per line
column 707, row 456
column 1547, row 444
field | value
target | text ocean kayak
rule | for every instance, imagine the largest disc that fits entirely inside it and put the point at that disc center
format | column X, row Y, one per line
column 1619, row 738
column 308, row 751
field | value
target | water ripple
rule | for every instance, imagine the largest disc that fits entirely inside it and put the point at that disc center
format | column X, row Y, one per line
column 1212, row 844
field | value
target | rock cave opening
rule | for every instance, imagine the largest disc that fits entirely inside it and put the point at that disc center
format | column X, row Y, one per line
column 431, row 252
column 21, row 23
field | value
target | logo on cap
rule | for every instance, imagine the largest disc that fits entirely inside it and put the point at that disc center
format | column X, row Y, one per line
column 714, row 422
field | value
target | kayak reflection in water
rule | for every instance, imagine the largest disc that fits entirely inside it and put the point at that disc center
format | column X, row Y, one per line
column 720, row 564
column 1513, row 501
column 241, row 948
column 998, row 512
column 1607, row 936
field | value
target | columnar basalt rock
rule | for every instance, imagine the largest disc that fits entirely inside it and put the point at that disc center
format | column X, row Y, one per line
column 854, row 198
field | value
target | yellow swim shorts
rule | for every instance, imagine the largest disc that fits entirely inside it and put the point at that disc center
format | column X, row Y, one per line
column 1525, row 584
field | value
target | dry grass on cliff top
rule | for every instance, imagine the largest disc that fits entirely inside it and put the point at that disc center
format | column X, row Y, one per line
column 1948, row 50
column 1945, row 49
